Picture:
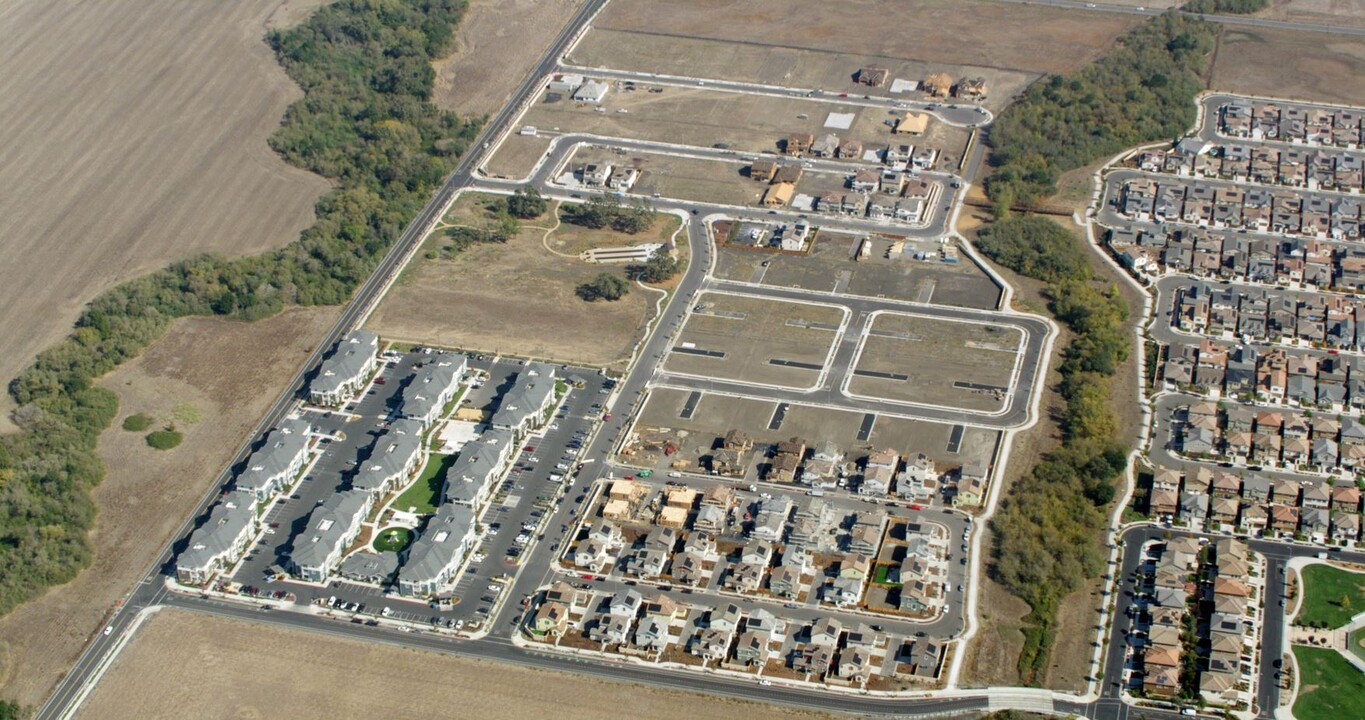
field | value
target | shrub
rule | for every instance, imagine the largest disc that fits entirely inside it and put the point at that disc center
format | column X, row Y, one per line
column 165, row 439
column 604, row 287
column 137, row 423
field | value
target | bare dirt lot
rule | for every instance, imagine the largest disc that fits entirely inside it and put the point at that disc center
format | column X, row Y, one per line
column 936, row 32
column 497, row 43
column 1291, row 64
column 135, row 135
column 752, row 339
column 147, row 493
column 715, row 415
column 516, row 298
column 184, row 665
column 937, row 362
column 830, row 266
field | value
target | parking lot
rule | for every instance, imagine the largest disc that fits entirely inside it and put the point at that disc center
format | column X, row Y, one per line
column 756, row 340
column 929, row 361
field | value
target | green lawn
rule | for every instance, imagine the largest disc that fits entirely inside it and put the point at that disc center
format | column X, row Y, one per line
column 426, row 492
column 1331, row 596
column 393, row 540
column 1356, row 643
column 1329, row 687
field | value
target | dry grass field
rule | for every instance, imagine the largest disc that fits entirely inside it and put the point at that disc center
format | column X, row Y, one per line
column 1326, row 12
column 148, row 493
column 1032, row 39
column 183, row 665
column 517, row 298
column 683, row 178
column 497, row 43
column 517, row 156
column 135, row 135
column 1291, row 64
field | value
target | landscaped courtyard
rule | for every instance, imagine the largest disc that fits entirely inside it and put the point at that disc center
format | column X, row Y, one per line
column 425, row 494
column 394, row 539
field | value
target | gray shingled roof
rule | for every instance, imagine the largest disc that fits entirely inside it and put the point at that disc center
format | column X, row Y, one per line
column 347, row 362
column 282, row 446
column 530, row 392
column 327, row 527
column 369, row 564
column 391, row 454
column 422, row 396
column 434, row 553
column 478, row 464
column 226, row 522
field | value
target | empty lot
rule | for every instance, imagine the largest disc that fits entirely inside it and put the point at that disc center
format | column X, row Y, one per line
column 185, row 665
column 147, row 493
column 496, row 45
column 757, row 340
column 936, row 362
column 830, row 266
column 1291, row 64
column 1007, row 36
column 135, row 135
column 515, row 298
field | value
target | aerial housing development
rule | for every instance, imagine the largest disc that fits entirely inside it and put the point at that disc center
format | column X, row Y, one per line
column 805, row 368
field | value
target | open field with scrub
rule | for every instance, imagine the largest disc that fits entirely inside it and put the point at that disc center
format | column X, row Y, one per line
column 517, row 297
column 1324, row 12
column 937, row 362
column 752, row 339
column 497, row 43
column 137, row 139
column 1291, row 64
column 182, row 380
column 937, row 33
column 187, row 665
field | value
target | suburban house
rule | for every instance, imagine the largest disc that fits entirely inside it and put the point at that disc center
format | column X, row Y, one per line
column 332, row 526
column 873, row 75
column 524, row 406
column 271, row 469
column 798, row 143
column 823, row 468
column 395, row 458
column 591, row 91
column 551, row 620
column 220, row 541
column 763, row 170
column 433, row 387
column 346, row 370
column 879, row 471
column 439, row 552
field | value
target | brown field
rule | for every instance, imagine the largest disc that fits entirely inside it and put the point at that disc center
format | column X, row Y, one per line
column 517, row 156
column 517, row 298
column 1291, row 64
column 148, row 493
column 705, row 117
column 1325, row 12
column 497, row 43
column 135, row 135
column 682, row 178
column 185, row 665
column 993, row 655
column 947, row 32
column 1069, row 662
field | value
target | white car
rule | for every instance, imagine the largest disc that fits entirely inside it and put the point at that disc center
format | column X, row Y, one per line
column 494, row 587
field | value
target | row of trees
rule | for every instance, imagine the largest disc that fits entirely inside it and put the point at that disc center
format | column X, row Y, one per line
column 1045, row 530
column 1231, row 7
column 602, row 211
column 1140, row 92
column 366, row 124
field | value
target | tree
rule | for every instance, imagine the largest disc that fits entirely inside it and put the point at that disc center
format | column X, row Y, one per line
column 526, row 203
column 604, row 287
column 659, row 268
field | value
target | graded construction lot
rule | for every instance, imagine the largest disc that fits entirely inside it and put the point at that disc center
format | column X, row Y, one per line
column 936, row 362
column 1291, row 64
column 517, row 156
column 513, row 298
column 755, row 340
column 183, row 665
column 830, row 267
column 180, row 379
column 714, row 415
column 680, row 178
column 1032, row 39
column 704, row 117
column 497, row 43
column 135, row 135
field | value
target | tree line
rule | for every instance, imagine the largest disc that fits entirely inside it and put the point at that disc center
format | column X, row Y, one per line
column 1047, row 528
column 1230, row 7
column 366, row 124
column 1140, row 92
